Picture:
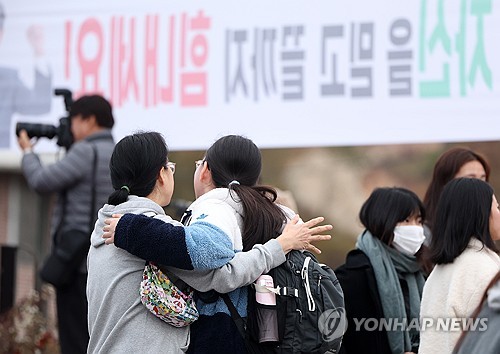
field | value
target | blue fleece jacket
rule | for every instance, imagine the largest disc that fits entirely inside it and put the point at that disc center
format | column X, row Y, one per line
column 201, row 248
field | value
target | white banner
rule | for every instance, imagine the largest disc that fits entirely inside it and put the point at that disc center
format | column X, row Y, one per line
column 284, row 73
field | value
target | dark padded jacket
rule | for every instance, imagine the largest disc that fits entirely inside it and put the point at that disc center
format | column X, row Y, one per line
column 361, row 301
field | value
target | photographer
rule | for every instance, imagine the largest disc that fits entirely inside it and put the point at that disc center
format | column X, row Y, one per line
column 82, row 180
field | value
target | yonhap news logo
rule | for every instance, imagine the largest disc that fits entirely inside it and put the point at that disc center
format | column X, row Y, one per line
column 439, row 324
column 332, row 324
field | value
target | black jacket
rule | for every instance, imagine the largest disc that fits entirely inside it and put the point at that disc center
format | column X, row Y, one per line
column 361, row 301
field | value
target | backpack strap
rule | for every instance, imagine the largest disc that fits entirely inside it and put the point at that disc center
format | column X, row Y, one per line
column 238, row 321
column 305, row 276
column 288, row 291
column 282, row 291
column 178, row 282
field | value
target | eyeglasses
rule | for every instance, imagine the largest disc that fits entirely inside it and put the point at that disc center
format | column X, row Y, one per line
column 171, row 165
column 198, row 163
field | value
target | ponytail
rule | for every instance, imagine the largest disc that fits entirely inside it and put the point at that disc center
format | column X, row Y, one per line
column 235, row 162
column 119, row 196
column 263, row 219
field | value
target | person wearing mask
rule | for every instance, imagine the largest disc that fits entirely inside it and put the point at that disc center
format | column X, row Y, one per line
column 81, row 180
column 466, row 259
column 383, row 278
column 230, row 202
column 453, row 163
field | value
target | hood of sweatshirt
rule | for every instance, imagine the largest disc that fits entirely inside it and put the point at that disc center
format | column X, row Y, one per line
column 221, row 194
column 134, row 205
column 231, row 198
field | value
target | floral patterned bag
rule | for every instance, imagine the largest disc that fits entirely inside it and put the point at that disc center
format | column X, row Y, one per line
column 165, row 300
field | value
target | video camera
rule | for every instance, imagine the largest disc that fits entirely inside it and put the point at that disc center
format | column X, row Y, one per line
column 63, row 131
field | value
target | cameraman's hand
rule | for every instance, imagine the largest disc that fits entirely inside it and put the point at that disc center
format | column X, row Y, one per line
column 24, row 141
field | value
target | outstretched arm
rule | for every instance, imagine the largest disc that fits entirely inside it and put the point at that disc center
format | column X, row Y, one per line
column 199, row 246
column 241, row 270
column 246, row 267
column 58, row 176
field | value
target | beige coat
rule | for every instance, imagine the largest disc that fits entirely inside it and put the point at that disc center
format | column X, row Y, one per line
column 451, row 294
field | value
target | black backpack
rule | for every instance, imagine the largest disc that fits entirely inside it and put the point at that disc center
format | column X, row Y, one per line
column 310, row 309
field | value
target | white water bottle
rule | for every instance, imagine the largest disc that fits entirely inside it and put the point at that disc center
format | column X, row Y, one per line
column 267, row 316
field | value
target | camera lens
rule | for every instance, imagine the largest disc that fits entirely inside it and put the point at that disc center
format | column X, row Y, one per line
column 36, row 130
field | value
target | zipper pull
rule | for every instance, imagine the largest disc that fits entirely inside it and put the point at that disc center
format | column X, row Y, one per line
column 300, row 314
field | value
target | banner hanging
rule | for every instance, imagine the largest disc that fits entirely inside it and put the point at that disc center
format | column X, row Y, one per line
column 285, row 74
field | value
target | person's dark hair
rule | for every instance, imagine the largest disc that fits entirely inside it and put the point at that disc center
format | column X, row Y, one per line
column 236, row 158
column 94, row 105
column 385, row 208
column 463, row 212
column 135, row 164
column 445, row 169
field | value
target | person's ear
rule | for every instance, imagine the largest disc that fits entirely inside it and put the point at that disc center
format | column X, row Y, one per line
column 92, row 120
column 162, row 178
column 205, row 174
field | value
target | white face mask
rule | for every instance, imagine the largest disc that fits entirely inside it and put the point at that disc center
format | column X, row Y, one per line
column 408, row 238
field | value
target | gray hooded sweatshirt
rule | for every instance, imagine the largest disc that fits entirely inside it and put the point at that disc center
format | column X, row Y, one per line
column 117, row 320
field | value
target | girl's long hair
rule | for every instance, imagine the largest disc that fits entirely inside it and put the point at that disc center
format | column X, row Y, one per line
column 236, row 158
column 463, row 213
